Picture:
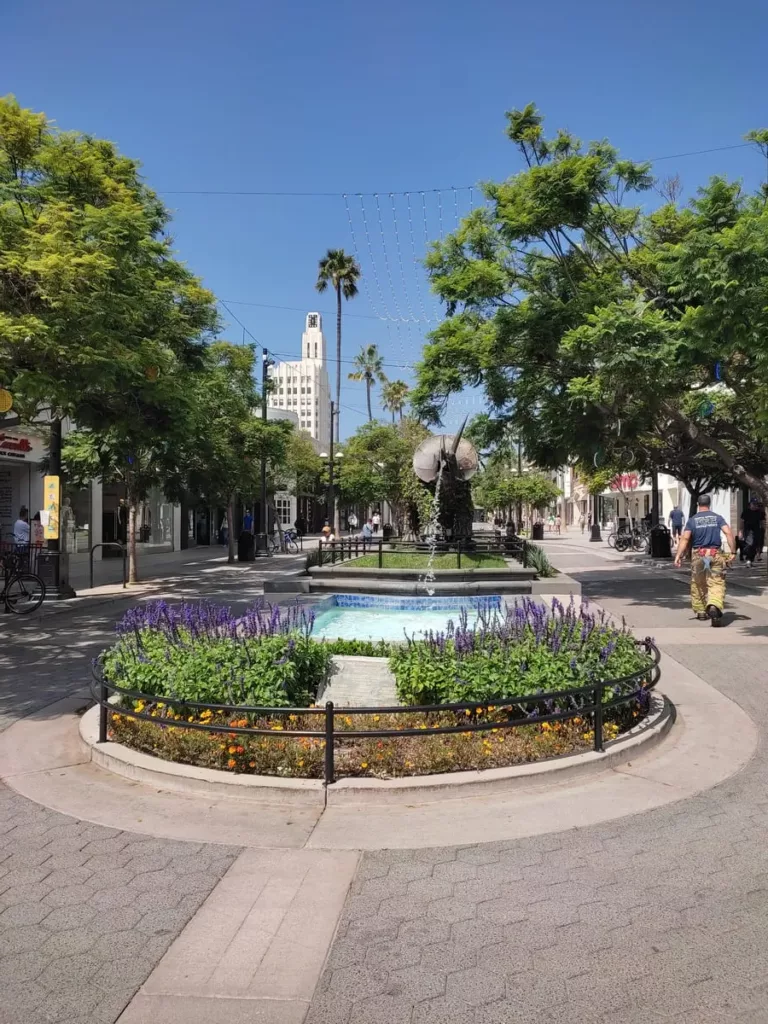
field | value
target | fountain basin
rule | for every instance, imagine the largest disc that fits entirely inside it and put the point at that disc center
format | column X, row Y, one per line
column 374, row 617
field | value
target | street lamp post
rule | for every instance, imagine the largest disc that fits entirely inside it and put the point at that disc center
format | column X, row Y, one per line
column 332, row 460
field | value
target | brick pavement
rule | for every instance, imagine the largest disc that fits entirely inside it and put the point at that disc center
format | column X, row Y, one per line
column 662, row 917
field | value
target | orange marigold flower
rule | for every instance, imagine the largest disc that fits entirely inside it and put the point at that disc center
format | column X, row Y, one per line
column 231, row 762
column 251, row 764
column 232, row 750
column 240, row 750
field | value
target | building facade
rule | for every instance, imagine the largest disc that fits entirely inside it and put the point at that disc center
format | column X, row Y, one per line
column 302, row 386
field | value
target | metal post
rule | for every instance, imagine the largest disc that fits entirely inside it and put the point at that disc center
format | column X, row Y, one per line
column 264, row 518
column 125, row 566
column 599, row 720
column 104, row 695
column 90, row 566
column 331, row 504
column 320, row 552
column 329, row 765
column 458, row 554
column 381, row 555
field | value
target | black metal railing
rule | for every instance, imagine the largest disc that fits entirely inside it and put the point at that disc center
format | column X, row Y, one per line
column 109, row 544
column 580, row 702
column 26, row 556
column 346, row 548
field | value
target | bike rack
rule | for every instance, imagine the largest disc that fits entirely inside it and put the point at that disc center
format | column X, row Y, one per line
column 108, row 544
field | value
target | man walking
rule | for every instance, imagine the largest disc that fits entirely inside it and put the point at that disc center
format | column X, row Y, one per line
column 676, row 520
column 752, row 532
column 708, row 561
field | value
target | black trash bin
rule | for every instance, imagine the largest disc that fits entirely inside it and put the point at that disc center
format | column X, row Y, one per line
column 245, row 550
column 661, row 544
column 386, row 531
column 538, row 531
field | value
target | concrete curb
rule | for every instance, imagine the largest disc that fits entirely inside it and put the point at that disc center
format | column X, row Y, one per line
column 189, row 779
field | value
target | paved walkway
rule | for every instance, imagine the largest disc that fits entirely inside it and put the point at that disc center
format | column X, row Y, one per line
column 659, row 917
column 87, row 912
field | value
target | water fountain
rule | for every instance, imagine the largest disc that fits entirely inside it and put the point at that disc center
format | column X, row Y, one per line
column 450, row 461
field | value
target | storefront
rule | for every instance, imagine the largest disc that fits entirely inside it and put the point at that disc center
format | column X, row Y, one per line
column 21, row 484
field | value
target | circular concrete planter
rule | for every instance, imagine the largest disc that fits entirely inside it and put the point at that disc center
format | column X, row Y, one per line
column 183, row 778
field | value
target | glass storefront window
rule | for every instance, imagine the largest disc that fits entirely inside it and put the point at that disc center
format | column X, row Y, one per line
column 76, row 514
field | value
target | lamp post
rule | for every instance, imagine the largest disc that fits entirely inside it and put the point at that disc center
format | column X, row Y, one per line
column 333, row 461
column 261, row 544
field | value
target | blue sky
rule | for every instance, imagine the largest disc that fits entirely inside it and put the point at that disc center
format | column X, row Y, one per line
column 353, row 97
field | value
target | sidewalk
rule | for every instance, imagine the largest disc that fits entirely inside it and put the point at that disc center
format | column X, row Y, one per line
column 204, row 571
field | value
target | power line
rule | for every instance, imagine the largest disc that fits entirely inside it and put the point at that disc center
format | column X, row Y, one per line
column 422, row 191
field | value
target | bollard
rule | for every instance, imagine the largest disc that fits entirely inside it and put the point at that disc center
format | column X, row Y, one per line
column 329, row 766
column 598, row 717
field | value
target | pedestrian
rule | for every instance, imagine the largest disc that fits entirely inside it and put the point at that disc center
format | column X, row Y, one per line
column 676, row 520
column 708, row 561
column 558, row 523
column 21, row 527
column 376, row 521
column 752, row 533
column 367, row 531
column 582, row 521
column 247, row 521
column 300, row 525
column 352, row 522
column 326, row 530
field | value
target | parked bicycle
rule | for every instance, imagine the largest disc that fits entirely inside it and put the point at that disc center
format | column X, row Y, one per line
column 290, row 543
column 23, row 592
column 638, row 538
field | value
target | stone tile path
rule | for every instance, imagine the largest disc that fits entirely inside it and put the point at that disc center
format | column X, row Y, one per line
column 661, row 917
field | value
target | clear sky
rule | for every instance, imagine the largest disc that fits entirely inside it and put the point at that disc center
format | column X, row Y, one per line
column 354, row 97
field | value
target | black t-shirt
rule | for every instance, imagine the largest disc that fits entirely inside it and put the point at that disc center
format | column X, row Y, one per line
column 753, row 519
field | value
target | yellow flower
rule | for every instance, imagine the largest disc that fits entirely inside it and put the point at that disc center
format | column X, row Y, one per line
column 191, row 718
column 376, row 718
column 363, row 764
column 467, row 711
column 161, row 705
column 301, row 764
column 292, row 718
column 233, row 750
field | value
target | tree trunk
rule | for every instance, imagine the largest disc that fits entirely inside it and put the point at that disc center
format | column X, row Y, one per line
column 393, row 417
column 368, row 396
column 338, row 361
column 133, row 576
column 755, row 483
column 231, row 529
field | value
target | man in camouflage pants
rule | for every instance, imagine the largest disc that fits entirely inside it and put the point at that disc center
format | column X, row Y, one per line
column 708, row 561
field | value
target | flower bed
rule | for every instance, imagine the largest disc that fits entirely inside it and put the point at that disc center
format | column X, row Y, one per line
column 176, row 656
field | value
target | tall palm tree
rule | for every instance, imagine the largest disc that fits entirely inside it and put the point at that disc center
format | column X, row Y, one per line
column 369, row 366
column 394, row 395
column 341, row 272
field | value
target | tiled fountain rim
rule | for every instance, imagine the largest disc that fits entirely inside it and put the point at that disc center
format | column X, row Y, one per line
column 383, row 602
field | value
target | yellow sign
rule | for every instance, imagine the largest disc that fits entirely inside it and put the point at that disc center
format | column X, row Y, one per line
column 51, row 506
column 6, row 401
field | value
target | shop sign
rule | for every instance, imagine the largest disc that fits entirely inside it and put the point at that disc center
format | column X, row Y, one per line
column 15, row 445
column 49, row 515
column 625, row 482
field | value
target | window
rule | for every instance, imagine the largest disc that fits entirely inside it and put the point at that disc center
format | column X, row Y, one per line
column 315, row 350
column 312, row 320
column 283, row 508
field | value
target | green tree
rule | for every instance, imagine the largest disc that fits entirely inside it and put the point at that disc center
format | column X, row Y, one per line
column 99, row 321
column 93, row 303
column 394, row 395
column 377, row 467
column 600, row 331
column 341, row 272
column 227, row 437
column 369, row 367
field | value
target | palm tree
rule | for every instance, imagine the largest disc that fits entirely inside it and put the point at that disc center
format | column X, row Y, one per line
column 369, row 366
column 394, row 395
column 342, row 272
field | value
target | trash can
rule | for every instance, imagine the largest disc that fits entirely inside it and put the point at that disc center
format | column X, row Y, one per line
column 661, row 545
column 245, row 551
column 537, row 533
column 386, row 531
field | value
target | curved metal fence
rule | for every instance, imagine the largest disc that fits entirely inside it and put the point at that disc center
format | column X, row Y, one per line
column 588, row 701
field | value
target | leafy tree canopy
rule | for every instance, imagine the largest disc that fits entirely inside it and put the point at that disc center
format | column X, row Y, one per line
column 602, row 333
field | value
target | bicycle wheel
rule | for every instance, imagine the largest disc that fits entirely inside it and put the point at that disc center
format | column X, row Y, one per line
column 612, row 539
column 622, row 542
column 291, row 546
column 639, row 541
column 24, row 593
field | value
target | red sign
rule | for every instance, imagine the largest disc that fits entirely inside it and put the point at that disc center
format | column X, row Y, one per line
column 625, row 482
column 10, row 445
